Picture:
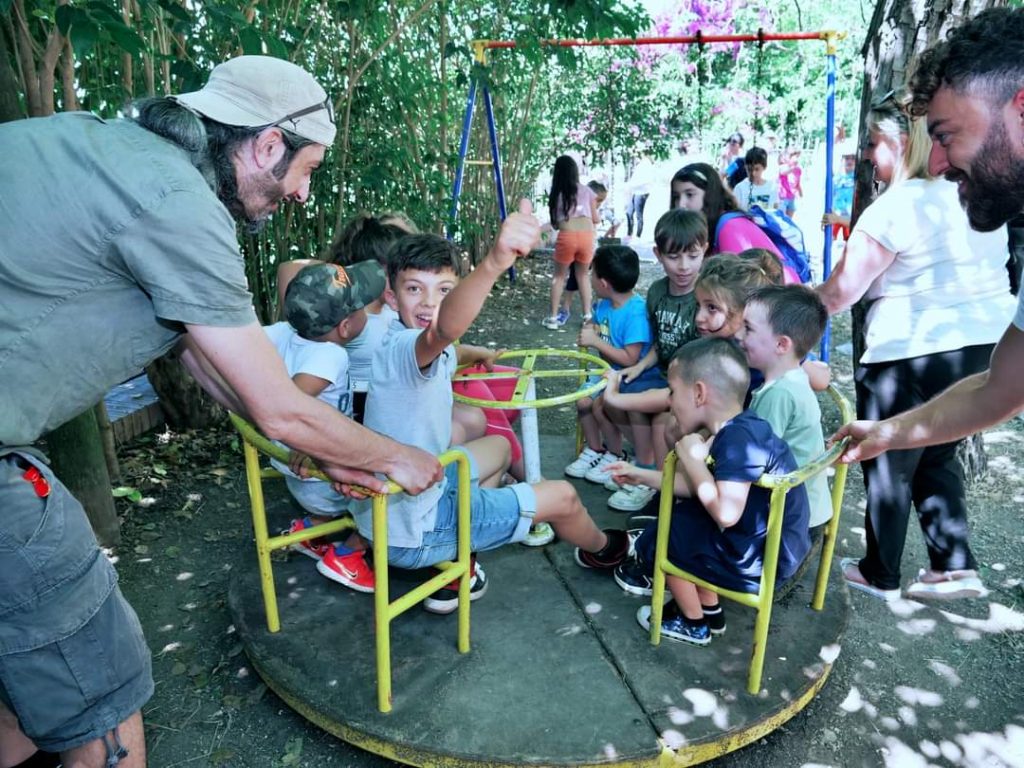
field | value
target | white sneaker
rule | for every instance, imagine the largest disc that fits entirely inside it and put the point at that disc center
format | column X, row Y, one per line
column 551, row 323
column 597, row 473
column 539, row 535
column 583, row 462
column 631, row 498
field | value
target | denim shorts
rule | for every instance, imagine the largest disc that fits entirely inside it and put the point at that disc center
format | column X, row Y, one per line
column 73, row 661
column 498, row 516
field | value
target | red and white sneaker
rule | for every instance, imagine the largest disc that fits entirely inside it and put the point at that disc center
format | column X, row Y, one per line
column 353, row 569
column 314, row 548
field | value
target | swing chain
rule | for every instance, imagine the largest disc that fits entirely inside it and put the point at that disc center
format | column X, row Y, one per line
column 700, row 87
column 757, row 85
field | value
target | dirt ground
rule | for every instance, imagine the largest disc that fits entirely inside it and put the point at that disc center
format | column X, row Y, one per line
column 914, row 685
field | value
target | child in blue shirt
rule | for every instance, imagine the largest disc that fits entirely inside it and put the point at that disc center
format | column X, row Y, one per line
column 621, row 334
column 719, row 524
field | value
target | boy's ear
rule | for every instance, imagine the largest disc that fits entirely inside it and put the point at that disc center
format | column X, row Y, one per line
column 390, row 298
column 784, row 344
column 344, row 328
column 700, row 393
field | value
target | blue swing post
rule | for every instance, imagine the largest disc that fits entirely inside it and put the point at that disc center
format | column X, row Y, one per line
column 830, row 122
column 480, row 57
column 467, row 124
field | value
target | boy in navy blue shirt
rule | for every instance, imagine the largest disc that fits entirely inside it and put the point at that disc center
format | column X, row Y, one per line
column 720, row 520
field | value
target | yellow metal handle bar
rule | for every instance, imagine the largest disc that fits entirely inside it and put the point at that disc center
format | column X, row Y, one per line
column 526, row 372
column 829, row 457
column 274, row 451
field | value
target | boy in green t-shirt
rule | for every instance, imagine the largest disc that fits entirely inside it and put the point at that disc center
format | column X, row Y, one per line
column 781, row 323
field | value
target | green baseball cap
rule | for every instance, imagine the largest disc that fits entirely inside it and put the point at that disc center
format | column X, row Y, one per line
column 322, row 295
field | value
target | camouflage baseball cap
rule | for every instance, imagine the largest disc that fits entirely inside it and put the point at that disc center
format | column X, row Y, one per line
column 322, row 295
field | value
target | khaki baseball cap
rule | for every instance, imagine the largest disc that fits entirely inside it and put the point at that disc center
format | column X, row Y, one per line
column 322, row 295
column 254, row 91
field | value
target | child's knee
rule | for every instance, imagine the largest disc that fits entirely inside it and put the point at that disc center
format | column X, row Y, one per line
column 557, row 500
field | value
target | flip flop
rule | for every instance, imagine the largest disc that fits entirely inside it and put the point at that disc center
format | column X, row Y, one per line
column 850, row 565
column 950, row 588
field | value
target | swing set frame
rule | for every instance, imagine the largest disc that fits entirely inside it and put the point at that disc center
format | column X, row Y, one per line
column 481, row 47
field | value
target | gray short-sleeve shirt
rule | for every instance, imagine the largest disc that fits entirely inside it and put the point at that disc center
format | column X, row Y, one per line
column 110, row 241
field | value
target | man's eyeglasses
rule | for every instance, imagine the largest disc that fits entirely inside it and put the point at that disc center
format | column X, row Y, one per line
column 327, row 105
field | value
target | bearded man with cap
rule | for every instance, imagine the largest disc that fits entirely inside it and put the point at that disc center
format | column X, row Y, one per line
column 120, row 244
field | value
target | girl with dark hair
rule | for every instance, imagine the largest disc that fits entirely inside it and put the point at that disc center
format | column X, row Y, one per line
column 697, row 187
column 573, row 209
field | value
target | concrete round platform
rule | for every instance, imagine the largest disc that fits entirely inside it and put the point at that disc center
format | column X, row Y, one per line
column 559, row 672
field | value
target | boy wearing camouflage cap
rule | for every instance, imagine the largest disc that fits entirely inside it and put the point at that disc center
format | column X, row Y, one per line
column 324, row 310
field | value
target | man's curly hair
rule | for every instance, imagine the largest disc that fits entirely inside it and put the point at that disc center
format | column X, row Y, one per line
column 986, row 54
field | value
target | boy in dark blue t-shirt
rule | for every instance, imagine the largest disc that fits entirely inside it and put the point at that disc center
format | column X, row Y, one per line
column 720, row 520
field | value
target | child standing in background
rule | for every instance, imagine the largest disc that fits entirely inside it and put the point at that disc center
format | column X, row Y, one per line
column 789, row 181
column 755, row 189
column 572, row 286
column 573, row 210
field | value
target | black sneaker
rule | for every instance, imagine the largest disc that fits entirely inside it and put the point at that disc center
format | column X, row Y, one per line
column 716, row 620
column 615, row 552
column 446, row 599
column 631, row 577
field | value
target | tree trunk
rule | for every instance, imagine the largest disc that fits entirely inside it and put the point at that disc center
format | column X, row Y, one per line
column 899, row 30
column 10, row 104
column 185, row 404
column 76, row 451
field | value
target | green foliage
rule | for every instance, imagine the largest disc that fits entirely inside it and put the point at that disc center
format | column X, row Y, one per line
column 399, row 73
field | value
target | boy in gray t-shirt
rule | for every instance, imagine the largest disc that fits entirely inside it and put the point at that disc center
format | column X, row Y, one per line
column 410, row 400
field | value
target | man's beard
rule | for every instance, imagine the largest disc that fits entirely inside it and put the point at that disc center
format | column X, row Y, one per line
column 994, row 192
column 263, row 188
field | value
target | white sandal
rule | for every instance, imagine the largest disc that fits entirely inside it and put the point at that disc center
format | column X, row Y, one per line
column 951, row 587
column 848, row 563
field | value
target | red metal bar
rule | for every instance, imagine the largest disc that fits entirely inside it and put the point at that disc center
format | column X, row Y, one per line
column 684, row 40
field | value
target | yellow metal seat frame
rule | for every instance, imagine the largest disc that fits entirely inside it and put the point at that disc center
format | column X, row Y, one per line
column 761, row 601
column 385, row 610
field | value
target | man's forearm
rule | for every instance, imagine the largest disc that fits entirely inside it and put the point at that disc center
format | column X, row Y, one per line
column 313, row 427
column 962, row 410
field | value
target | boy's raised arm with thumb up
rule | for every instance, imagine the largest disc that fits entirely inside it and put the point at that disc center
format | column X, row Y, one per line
column 519, row 233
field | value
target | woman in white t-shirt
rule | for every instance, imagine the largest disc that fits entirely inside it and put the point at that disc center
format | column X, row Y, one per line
column 939, row 299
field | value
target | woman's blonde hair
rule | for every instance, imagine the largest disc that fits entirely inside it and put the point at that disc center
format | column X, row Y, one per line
column 891, row 119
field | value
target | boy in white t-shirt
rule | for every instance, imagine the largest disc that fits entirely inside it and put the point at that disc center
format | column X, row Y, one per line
column 324, row 309
column 755, row 190
column 410, row 400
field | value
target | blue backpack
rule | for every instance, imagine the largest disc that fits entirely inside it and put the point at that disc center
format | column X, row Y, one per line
column 785, row 235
